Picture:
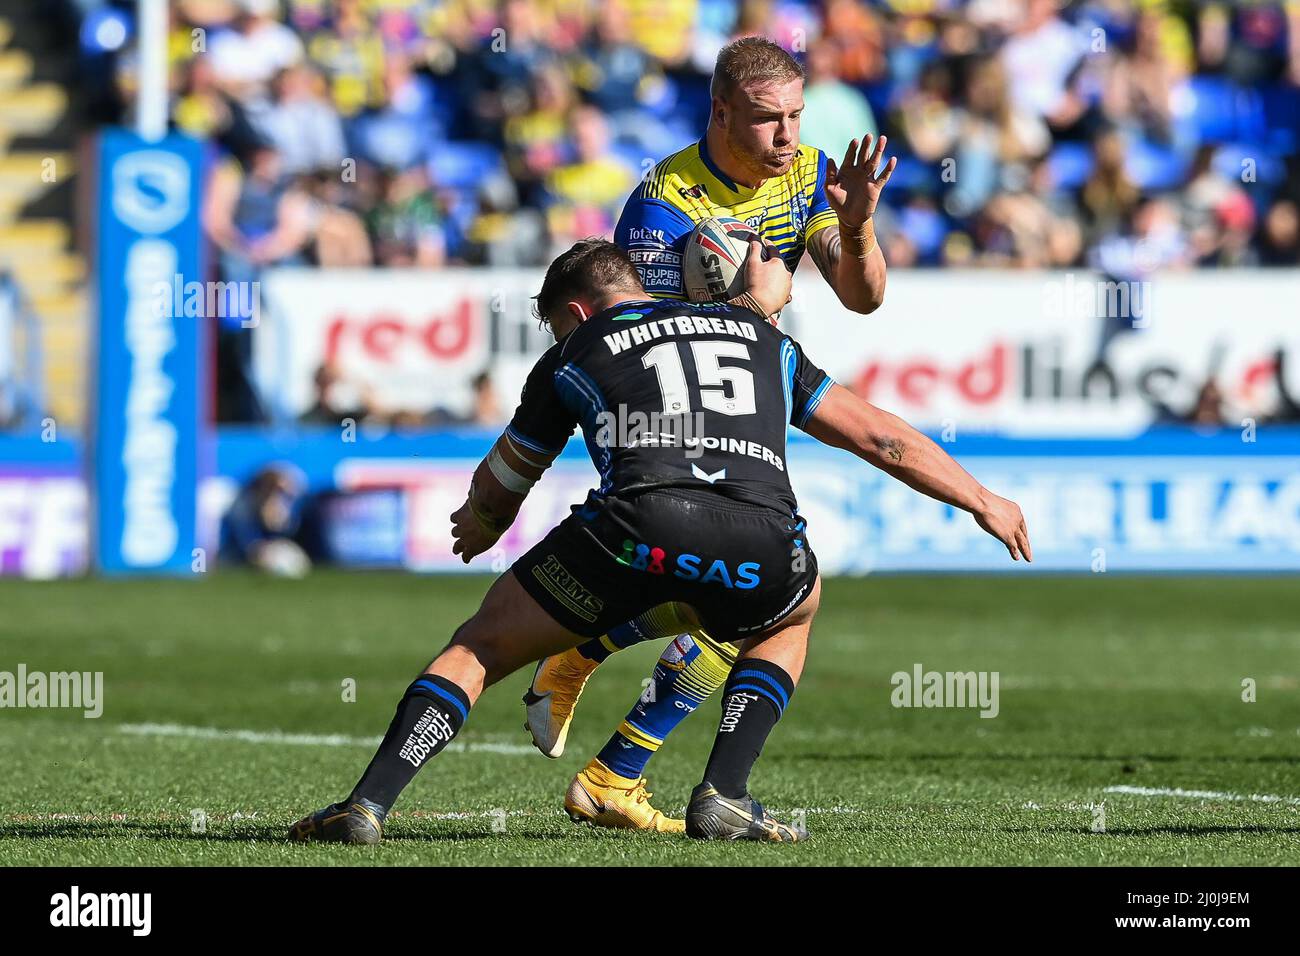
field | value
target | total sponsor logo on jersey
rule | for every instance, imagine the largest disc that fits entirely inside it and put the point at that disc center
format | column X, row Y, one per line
column 639, row 234
column 689, row 567
column 651, row 252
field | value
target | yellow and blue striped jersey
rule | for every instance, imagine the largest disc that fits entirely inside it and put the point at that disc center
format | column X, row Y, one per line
column 687, row 188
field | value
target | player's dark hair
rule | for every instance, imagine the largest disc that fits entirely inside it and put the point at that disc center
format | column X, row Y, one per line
column 752, row 58
column 590, row 268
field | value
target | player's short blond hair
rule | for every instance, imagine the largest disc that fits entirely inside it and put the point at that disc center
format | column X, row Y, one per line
column 752, row 58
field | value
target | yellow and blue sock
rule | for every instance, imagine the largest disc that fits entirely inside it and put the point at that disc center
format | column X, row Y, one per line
column 618, row 638
column 691, row 668
column 663, row 621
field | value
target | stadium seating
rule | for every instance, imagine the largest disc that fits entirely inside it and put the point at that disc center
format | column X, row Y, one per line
column 34, row 248
column 1070, row 164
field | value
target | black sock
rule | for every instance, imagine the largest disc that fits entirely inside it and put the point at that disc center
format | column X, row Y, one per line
column 756, row 695
column 429, row 715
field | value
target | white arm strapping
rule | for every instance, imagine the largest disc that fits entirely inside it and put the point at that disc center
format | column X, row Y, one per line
column 510, row 479
column 519, row 452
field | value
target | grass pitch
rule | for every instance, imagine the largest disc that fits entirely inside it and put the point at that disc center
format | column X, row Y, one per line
column 1106, row 682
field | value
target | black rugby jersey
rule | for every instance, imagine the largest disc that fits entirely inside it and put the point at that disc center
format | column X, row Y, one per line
column 675, row 394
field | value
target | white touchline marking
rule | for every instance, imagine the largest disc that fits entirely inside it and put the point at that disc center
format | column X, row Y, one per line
column 309, row 740
column 489, row 814
column 238, row 815
column 473, row 814
column 1203, row 794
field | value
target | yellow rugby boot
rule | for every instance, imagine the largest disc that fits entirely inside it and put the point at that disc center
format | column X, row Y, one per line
column 552, row 696
column 602, row 798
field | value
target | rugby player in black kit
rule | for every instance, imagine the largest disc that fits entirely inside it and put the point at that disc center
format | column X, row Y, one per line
column 684, row 408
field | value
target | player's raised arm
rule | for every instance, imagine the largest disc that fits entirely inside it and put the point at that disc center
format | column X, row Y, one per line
column 845, row 421
column 849, row 257
column 500, row 484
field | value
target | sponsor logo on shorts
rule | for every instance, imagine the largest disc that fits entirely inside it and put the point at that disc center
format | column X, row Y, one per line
column 640, row 556
column 794, row 601
column 798, row 595
column 568, row 590
column 690, row 567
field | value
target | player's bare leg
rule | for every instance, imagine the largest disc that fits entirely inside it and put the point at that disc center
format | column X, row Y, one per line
column 509, row 631
column 757, row 692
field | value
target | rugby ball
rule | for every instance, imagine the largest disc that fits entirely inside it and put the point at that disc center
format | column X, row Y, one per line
column 714, row 260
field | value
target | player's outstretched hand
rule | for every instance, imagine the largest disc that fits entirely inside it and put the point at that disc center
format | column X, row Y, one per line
column 1001, row 518
column 767, row 279
column 853, row 187
column 470, row 538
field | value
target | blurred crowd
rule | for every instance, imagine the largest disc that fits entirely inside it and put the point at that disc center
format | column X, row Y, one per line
column 1120, row 135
